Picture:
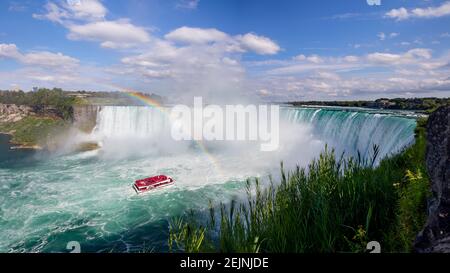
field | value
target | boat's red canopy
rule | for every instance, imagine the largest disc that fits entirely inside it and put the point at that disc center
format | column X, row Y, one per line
column 151, row 180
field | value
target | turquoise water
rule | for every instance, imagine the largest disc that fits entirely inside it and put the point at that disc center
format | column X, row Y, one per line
column 47, row 200
column 46, row 203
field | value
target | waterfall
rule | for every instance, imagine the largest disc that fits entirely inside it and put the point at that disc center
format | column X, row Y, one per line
column 351, row 131
column 131, row 122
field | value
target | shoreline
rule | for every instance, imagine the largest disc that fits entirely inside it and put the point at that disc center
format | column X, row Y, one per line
column 20, row 146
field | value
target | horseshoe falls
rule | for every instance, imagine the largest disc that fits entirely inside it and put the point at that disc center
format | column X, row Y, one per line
column 351, row 132
column 46, row 201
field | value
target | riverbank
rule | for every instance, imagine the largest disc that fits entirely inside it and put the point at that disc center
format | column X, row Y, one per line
column 33, row 132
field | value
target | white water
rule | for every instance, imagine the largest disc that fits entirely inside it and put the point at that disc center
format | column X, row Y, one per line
column 353, row 131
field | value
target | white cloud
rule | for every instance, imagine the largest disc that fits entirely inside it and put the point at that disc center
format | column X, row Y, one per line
column 111, row 34
column 410, row 73
column 412, row 56
column 314, row 59
column 156, row 74
column 9, row 51
column 38, row 58
column 300, row 57
column 429, row 12
column 229, row 61
column 385, row 58
column 393, row 34
column 240, row 43
column 293, row 69
column 53, row 13
column 44, row 58
column 85, row 20
column 399, row 14
column 259, row 44
column 328, row 75
column 89, row 9
column 196, row 35
column 43, row 68
column 196, row 61
column 185, row 62
column 202, row 69
column 351, row 59
column 92, row 10
column 382, row 36
column 264, row 92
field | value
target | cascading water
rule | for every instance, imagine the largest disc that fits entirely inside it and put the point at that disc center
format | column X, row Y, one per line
column 356, row 131
column 131, row 122
column 87, row 197
column 346, row 131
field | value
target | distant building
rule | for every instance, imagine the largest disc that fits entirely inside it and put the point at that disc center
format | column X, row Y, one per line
column 79, row 95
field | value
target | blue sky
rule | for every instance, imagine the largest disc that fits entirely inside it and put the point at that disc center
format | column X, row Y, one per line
column 266, row 49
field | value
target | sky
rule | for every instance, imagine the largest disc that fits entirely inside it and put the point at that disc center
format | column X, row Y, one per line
column 267, row 50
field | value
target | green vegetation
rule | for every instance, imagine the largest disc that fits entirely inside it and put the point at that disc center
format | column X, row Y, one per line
column 335, row 205
column 31, row 131
column 43, row 100
column 417, row 104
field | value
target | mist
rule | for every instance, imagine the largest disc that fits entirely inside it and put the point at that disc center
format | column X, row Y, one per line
column 126, row 133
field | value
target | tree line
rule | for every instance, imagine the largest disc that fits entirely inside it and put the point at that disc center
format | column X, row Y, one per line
column 42, row 99
column 421, row 104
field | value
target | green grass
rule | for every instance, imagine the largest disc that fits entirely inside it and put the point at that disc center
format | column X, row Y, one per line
column 334, row 205
column 32, row 131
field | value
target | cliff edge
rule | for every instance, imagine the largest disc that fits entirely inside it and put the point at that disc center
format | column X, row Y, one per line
column 435, row 237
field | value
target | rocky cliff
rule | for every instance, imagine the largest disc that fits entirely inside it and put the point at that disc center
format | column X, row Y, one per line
column 435, row 237
column 14, row 113
column 85, row 117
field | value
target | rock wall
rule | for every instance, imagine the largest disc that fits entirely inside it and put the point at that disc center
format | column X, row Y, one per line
column 14, row 113
column 85, row 117
column 436, row 235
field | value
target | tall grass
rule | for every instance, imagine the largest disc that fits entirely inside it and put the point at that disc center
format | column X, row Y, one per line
column 336, row 204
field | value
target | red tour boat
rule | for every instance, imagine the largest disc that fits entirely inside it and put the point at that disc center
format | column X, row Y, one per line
column 152, row 183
